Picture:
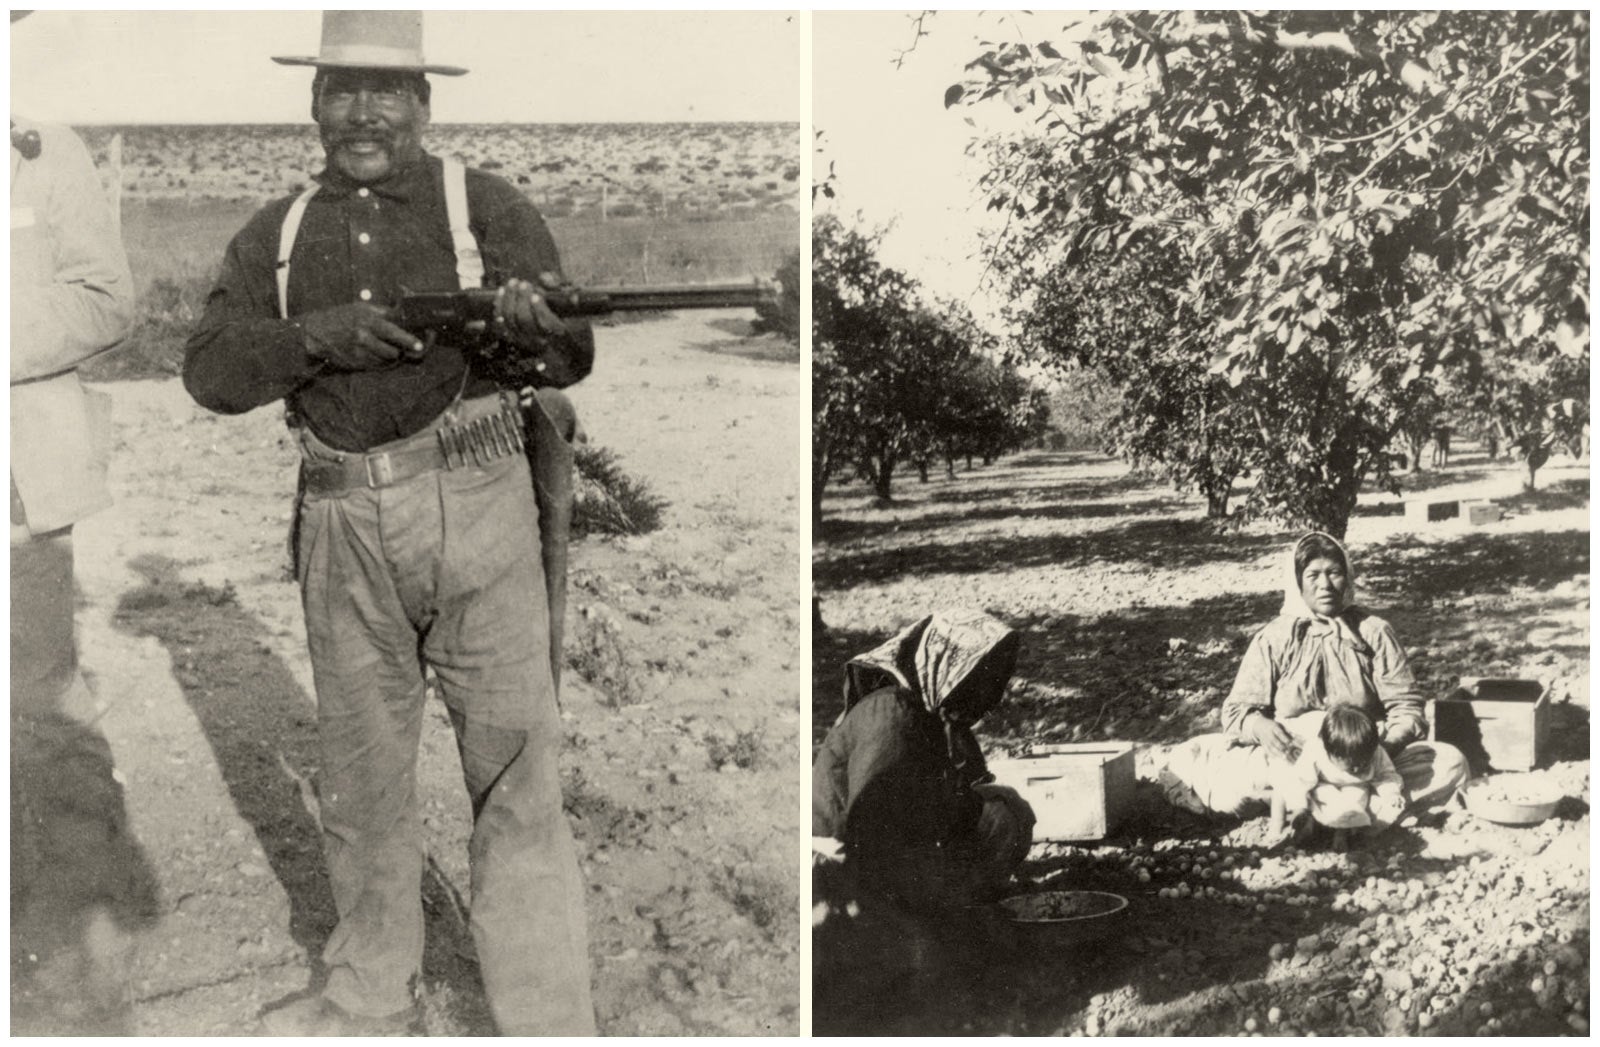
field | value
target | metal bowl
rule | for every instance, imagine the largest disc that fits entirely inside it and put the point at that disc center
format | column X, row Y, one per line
column 1512, row 799
column 1056, row 917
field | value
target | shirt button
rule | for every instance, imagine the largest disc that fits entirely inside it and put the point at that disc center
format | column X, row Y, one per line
column 363, row 192
column 364, row 238
column 366, row 295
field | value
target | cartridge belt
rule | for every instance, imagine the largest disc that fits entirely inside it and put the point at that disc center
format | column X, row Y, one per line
column 471, row 433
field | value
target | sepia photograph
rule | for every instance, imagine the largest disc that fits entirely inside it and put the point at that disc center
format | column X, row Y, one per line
column 406, row 420
column 1200, row 523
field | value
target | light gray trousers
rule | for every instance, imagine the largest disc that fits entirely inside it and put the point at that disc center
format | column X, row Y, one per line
column 442, row 570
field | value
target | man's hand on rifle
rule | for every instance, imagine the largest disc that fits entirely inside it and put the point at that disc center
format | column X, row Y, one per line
column 357, row 337
column 521, row 314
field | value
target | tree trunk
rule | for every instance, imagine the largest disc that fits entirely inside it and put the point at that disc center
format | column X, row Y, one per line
column 820, row 468
column 1345, row 470
column 922, row 469
column 882, row 476
column 1217, row 502
column 1536, row 459
column 950, row 466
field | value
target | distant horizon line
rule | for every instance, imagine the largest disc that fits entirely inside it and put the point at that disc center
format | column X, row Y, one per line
column 435, row 123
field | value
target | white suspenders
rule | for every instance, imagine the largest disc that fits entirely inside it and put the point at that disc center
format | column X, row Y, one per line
column 291, row 229
column 469, row 260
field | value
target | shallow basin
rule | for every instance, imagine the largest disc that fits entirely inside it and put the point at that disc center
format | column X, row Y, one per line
column 1512, row 799
column 1062, row 917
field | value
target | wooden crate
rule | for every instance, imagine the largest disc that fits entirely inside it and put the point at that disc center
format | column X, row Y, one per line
column 1422, row 511
column 1078, row 792
column 1480, row 513
column 1500, row 725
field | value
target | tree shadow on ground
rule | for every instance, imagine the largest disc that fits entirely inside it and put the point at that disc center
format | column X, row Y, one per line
column 261, row 727
column 1563, row 494
column 1154, row 543
column 1407, row 570
column 836, row 531
column 1461, row 472
column 1029, row 491
column 1146, row 675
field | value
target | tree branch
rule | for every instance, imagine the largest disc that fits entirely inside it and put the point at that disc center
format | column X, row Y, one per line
column 920, row 32
column 1414, row 76
column 1452, row 107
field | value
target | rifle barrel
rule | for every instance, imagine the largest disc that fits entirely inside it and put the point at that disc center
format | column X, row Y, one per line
column 597, row 301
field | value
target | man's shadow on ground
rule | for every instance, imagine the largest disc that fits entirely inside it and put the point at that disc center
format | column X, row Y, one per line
column 261, row 726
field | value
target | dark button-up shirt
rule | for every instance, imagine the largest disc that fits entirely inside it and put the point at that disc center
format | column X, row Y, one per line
column 365, row 243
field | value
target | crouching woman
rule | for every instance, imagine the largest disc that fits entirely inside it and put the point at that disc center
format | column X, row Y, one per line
column 900, row 789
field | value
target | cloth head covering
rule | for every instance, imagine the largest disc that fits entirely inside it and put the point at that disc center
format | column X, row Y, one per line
column 1329, row 659
column 956, row 663
column 1294, row 601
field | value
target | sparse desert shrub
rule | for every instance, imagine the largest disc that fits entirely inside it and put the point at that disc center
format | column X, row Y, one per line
column 767, row 901
column 167, row 313
column 782, row 315
column 558, row 207
column 624, row 210
column 595, row 652
column 608, row 500
column 743, row 750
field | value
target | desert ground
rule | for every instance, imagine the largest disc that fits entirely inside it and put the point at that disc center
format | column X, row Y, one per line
column 679, row 704
column 1135, row 612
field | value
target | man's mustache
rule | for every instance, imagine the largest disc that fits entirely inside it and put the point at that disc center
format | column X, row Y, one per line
column 347, row 139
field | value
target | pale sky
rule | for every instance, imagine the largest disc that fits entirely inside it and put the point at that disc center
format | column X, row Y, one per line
column 898, row 154
column 83, row 67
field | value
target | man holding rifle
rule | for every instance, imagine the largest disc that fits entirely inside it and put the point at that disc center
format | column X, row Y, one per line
column 417, row 538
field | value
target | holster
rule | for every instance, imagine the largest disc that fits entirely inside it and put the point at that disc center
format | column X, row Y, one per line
column 551, row 426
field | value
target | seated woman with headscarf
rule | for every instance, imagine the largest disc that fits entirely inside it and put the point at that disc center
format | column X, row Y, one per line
column 1319, row 652
column 900, row 782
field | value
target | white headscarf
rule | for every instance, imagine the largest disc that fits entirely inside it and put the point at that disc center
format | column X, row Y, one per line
column 1328, row 657
column 1294, row 601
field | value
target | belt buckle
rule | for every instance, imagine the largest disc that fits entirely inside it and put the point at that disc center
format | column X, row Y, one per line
column 380, row 470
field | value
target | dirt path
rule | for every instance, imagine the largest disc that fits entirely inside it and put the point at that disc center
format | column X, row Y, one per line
column 1135, row 613
column 680, row 774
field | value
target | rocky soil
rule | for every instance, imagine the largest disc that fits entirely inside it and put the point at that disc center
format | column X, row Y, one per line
column 679, row 763
column 1135, row 613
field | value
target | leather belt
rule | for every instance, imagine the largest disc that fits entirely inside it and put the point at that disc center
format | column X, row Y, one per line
column 476, row 432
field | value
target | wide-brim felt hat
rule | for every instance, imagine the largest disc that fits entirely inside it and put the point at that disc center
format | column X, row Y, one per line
column 372, row 40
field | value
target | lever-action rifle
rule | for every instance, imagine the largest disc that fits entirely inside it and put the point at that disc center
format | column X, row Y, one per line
column 471, row 310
